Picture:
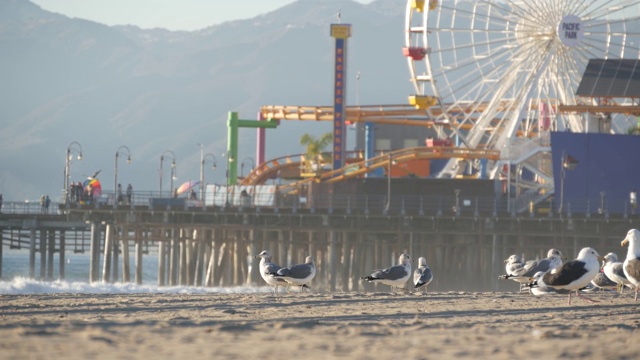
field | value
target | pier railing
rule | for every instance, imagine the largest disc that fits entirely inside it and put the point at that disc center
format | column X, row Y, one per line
column 443, row 205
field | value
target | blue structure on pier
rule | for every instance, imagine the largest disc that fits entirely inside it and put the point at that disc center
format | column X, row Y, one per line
column 605, row 170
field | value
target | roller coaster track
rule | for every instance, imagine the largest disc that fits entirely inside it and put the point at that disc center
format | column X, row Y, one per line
column 358, row 168
column 288, row 166
column 269, row 169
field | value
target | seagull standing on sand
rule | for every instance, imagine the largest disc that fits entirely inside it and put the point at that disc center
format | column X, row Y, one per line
column 574, row 274
column 422, row 276
column 631, row 265
column 602, row 281
column 538, row 288
column 613, row 269
column 300, row 274
column 522, row 274
column 395, row 276
column 512, row 265
column 267, row 268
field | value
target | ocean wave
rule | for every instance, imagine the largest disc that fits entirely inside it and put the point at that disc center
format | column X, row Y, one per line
column 24, row 286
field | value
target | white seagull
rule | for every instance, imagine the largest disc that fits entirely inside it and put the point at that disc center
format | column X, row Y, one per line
column 574, row 274
column 267, row 268
column 512, row 265
column 300, row 274
column 422, row 276
column 523, row 273
column 394, row 276
column 614, row 271
column 631, row 265
column 538, row 288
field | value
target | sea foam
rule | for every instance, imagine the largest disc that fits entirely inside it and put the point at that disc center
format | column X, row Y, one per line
column 21, row 285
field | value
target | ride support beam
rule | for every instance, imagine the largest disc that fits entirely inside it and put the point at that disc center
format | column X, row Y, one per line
column 233, row 124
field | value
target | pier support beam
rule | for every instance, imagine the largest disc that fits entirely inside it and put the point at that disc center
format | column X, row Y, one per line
column 32, row 253
column 138, row 259
column 254, row 240
column 106, row 260
column 43, row 254
column 182, row 263
column 94, row 262
column 173, row 257
column 50, row 252
column 332, row 260
column 162, row 262
column 210, row 278
column 62, row 254
column 198, row 236
column 126, row 264
column 115, row 252
column 346, row 260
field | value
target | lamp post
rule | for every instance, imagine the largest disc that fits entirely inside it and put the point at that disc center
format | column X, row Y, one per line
column 253, row 165
column 67, row 166
column 229, row 159
column 203, row 159
column 173, row 166
column 115, row 169
column 567, row 163
column 390, row 162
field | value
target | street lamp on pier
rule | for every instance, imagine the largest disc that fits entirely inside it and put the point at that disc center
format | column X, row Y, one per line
column 567, row 163
column 73, row 146
column 253, row 165
column 203, row 159
column 173, row 166
column 115, row 169
column 229, row 160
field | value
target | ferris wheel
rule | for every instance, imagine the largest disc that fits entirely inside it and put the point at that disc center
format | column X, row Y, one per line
column 495, row 71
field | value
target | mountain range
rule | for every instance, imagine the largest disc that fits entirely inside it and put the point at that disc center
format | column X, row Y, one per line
column 68, row 80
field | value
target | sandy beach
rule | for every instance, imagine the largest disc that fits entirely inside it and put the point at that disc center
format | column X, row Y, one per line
column 318, row 325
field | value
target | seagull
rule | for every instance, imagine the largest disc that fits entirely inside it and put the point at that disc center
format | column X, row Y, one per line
column 602, row 281
column 631, row 265
column 512, row 265
column 299, row 274
column 574, row 274
column 422, row 276
column 523, row 274
column 395, row 276
column 267, row 268
column 613, row 269
column 538, row 288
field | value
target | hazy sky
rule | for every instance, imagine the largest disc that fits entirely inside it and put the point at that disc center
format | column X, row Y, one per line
column 169, row 14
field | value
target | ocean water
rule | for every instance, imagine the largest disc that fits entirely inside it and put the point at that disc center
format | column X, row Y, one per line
column 15, row 278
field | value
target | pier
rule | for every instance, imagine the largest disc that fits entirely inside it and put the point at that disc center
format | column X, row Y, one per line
column 214, row 247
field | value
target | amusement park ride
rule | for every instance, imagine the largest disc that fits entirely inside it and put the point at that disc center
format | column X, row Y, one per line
column 493, row 79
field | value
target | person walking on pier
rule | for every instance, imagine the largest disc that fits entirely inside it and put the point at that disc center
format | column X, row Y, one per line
column 79, row 192
column 0, row 203
column 119, row 197
column 129, row 194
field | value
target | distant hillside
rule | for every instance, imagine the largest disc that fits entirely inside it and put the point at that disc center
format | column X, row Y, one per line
column 75, row 80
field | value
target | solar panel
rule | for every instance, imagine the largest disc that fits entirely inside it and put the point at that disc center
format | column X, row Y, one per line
column 617, row 78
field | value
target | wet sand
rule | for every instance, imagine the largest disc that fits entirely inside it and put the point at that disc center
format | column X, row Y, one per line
column 318, row 326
